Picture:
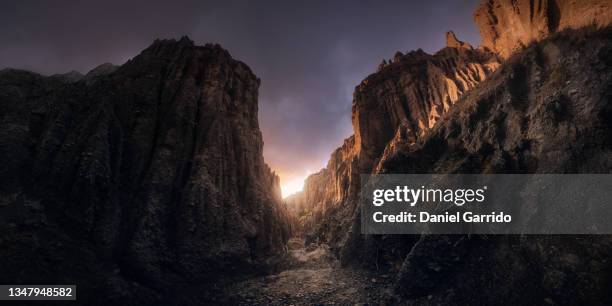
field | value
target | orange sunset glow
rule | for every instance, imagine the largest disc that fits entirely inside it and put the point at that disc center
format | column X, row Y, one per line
column 291, row 183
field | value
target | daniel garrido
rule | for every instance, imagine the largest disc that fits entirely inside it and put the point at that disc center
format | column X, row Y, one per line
column 456, row 217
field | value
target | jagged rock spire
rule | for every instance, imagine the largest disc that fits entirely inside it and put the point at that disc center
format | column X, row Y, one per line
column 453, row 42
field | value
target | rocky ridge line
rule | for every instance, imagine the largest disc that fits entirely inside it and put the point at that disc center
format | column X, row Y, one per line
column 509, row 25
column 148, row 174
column 402, row 125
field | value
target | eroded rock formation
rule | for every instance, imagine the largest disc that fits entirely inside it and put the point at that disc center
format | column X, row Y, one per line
column 409, row 95
column 531, row 116
column 317, row 206
column 152, row 171
column 401, row 101
column 509, row 25
column 545, row 110
column 453, row 42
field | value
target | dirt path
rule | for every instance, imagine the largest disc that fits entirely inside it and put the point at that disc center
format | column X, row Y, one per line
column 314, row 278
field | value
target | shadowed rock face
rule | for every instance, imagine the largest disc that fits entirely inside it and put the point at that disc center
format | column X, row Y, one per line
column 532, row 116
column 545, row 110
column 508, row 25
column 397, row 104
column 156, row 165
column 317, row 208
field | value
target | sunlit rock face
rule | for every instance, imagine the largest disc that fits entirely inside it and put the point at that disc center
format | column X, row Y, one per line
column 397, row 104
column 324, row 191
column 156, row 166
column 453, row 42
column 509, row 25
column 408, row 96
column 468, row 110
column 545, row 110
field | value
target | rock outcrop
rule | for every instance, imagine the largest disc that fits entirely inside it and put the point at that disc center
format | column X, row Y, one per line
column 318, row 205
column 465, row 110
column 509, row 25
column 403, row 100
column 453, row 42
column 547, row 110
column 150, row 172
column 409, row 95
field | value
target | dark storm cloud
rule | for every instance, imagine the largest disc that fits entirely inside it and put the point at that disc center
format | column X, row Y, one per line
column 309, row 54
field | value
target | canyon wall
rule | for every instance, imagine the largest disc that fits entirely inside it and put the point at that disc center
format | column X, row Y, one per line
column 509, row 25
column 480, row 110
column 318, row 205
column 401, row 102
column 407, row 97
column 546, row 110
column 398, row 103
column 153, row 168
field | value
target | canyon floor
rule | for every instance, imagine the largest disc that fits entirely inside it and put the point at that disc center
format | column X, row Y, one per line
column 313, row 277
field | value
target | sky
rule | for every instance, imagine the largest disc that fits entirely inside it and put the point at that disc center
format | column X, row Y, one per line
column 309, row 55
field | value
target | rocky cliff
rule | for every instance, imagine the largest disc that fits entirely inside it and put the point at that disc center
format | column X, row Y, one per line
column 408, row 96
column 466, row 110
column 531, row 116
column 318, row 205
column 509, row 25
column 150, row 172
column 398, row 103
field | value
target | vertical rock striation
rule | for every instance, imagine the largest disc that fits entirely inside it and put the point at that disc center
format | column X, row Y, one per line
column 483, row 110
column 156, row 165
column 320, row 215
column 397, row 104
column 509, row 25
column 408, row 96
column 531, row 116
